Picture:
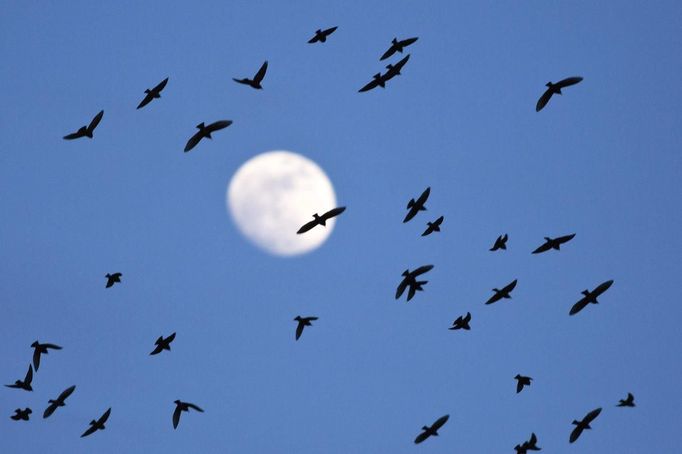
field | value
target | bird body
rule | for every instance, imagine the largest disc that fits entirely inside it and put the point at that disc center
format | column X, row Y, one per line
column 181, row 406
column 590, row 297
column 97, row 425
column 555, row 89
column 205, row 131
column 163, row 344
column 504, row 293
column 397, row 46
column 431, row 431
column 39, row 349
column 321, row 220
column 257, row 79
column 553, row 243
column 530, row 445
column 154, row 93
column 583, row 424
column 321, row 35
column 86, row 131
column 302, row 323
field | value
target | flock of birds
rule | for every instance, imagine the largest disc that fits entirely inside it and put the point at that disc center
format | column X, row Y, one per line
column 410, row 279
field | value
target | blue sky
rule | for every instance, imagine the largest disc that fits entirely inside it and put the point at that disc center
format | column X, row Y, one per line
column 602, row 161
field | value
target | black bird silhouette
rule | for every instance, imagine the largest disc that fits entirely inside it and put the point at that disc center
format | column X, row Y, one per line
column 97, row 425
column 39, row 349
column 24, row 384
column 378, row 80
column 86, row 131
column 553, row 243
column 163, row 344
column 555, row 89
column 206, row 131
column 410, row 279
column 321, row 35
column 181, row 406
column 21, row 415
column 504, row 293
column 113, row 279
column 431, row 431
column 59, row 402
column 629, row 402
column 462, row 322
column 415, row 207
column 321, row 220
column 302, row 323
column 590, row 297
column 500, row 243
column 257, row 79
column 521, row 381
column 397, row 46
column 153, row 93
column 530, row 445
column 394, row 70
column 433, row 226
column 584, row 424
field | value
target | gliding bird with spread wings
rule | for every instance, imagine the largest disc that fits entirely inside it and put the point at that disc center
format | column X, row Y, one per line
column 257, row 79
column 86, row 131
column 321, row 220
column 553, row 89
column 153, row 93
column 205, row 131
column 97, row 425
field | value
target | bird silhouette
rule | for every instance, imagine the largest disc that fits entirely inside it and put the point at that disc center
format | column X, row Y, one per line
column 58, row 402
column 21, row 415
column 628, row 402
column 163, row 344
column 205, row 132
column 394, row 70
column 504, row 293
column 530, row 445
column 433, row 226
column 39, row 349
column 462, row 322
column 378, row 80
column 500, row 243
column 321, row 220
column 321, row 35
column 553, row 243
column 257, row 79
column 97, row 425
column 584, row 424
column 553, row 89
column 431, row 431
column 24, row 384
column 521, row 381
column 181, row 406
column 397, row 46
column 590, row 297
column 153, row 93
column 410, row 279
column 302, row 323
column 86, row 131
column 415, row 207
column 113, row 279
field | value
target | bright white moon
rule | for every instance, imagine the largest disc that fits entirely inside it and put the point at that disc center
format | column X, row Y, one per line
column 273, row 194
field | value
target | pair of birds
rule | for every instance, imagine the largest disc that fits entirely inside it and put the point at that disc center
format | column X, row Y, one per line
column 379, row 80
column 415, row 206
column 38, row 350
column 549, row 244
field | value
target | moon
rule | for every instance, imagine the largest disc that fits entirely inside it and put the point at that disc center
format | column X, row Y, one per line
column 273, row 194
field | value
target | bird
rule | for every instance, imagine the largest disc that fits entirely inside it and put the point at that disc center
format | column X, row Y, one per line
column 584, row 424
column 163, row 344
column 321, row 220
column 97, row 425
column 58, row 402
column 555, row 89
column 397, row 46
column 553, row 243
column 500, row 243
column 24, row 384
column 206, row 131
column 410, row 279
column 153, row 93
column 394, row 70
column 431, row 431
column 377, row 81
column 628, row 402
column 530, row 445
column 181, row 406
column 39, row 349
column 86, row 131
column 21, row 415
column 590, row 297
column 521, row 381
column 415, row 207
column 504, row 293
column 462, row 322
column 321, row 35
column 113, row 279
column 433, row 226
column 257, row 79
column 302, row 323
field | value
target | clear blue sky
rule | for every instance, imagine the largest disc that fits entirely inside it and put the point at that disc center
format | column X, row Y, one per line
column 602, row 161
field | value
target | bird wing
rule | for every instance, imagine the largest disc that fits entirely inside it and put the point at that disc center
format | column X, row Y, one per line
column 52, row 346
column 411, row 292
column 307, row 226
column 408, row 41
column 311, row 319
column 49, row 410
column 95, row 121
column 194, row 407
column 439, row 422
column 398, row 66
column 66, row 393
column 601, row 288
column 333, row 212
column 74, row 135
column 439, row 221
column 412, row 213
column 102, row 419
column 218, row 125
column 565, row 238
column 158, row 349
column 160, row 86
column 330, row 30
column 170, row 338
column 421, row 270
column 533, row 439
column 193, row 141
column 391, row 50
column 299, row 329
column 374, row 83
column 401, row 288
column 91, row 430
column 495, row 298
column 242, row 81
column 630, row 398
column 544, row 99
column 580, row 305
column 314, row 39
column 176, row 416
column 519, row 386
column 425, row 195
column 575, row 434
column 36, row 358
column 543, row 248
column 509, row 287
column 261, row 73
column 568, row 82
column 29, row 375
column 421, row 437
column 591, row 415
column 468, row 317
column 147, row 99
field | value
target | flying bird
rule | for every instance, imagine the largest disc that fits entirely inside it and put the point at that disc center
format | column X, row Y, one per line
column 39, row 349
column 302, row 323
column 257, row 79
column 590, row 297
column 397, row 46
column 530, row 445
column 521, row 381
column 553, row 243
column 500, row 243
column 21, row 415
column 555, row 89
column 179, row 408
column 163, row 344
column 433, row 226
column 321, row 220
column 504, row 293
column 628, row 402
column 377, row 81
column 153, row 93
column 462, row 322
column 415, row 207
column 205, row 132
column 24, row 384
column 97, row 425
column 113, row 279
column 86, row 131
column 59, row 402
column 394, row 70
column 321, row 35
column 410, row 279
column 584, row 424
column 431, row 431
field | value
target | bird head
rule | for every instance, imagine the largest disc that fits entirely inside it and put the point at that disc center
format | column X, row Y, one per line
column 178, row 402
column 549, row 84
column 298, row 318
column 575, row 422
column 406, row 273
column 201, row 126
column 29, row 411
column 35, row 344
column 147, row 91
column 395, row 41
column 518, row 376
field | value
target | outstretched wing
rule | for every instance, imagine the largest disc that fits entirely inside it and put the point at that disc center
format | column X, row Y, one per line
column 299, row 330
column 439, row 422
column 543, row 248
column 194, row 407
column 601, row 288
column 425, row 195
column 568, row 82
column 495, row 298
column 391, row 50
column 509, row 287
column 170, row 338
column 218, row 125
column 591, row 415
column 329, row 31
column 421, row 270
column 333, row 213
column 580, row 305
column 176, row 416
column 421, row 437
column 160, row 86
column 374, row 83
column 261, row 73
column 36, row 358
column 565, row 238
column 544, row 99
column 49, row 410
column 193, row 141
column 66, row 393
column 102, row 419
column 95, row 121
column 147, row 99
column 408, row 41
column 307, row 226
column 401, row 288
column 29, row 375
column 575, row 434
column 75, row 135
column 91, row 430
